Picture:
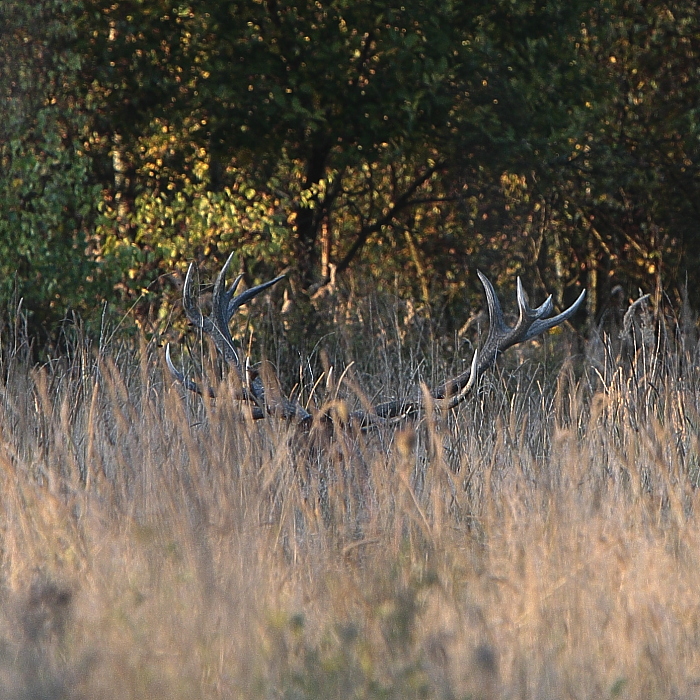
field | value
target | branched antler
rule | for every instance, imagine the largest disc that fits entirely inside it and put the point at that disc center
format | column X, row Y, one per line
column 216, row 325
column 531, row 323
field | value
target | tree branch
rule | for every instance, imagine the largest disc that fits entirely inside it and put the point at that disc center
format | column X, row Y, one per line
column 400, row 204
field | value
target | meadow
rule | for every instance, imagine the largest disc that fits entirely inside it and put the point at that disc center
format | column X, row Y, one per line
column 540, row 541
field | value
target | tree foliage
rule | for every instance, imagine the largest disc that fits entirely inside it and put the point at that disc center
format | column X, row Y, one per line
column 335, row 138
column 48, row 251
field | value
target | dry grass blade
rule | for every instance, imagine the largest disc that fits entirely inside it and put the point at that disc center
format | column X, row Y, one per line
column 540, row 541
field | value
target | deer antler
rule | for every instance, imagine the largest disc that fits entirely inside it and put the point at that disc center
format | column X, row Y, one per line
column 531, row 323
column 216, row 325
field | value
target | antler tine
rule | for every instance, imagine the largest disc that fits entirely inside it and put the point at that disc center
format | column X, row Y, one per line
column 174, row 370
column 457, row 398
column 230, row 292
column 497, row 324
column 224, row 306
column 187, row 383
column 544, row 309
column 496, row 321
column 220, row 318
column 234, row 286
column 525, row 318
column 544, row 324
column 245, row 297
column 222, row 296
column 190, row 301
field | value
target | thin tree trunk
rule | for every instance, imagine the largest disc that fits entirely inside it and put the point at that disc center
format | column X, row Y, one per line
column 308, row 220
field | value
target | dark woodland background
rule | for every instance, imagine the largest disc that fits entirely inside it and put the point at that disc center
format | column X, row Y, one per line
column 353, row 145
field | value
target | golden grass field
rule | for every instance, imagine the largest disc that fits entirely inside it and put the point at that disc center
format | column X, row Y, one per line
column 542, row 541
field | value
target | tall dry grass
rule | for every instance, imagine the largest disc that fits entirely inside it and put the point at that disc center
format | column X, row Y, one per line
column 540, row 542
